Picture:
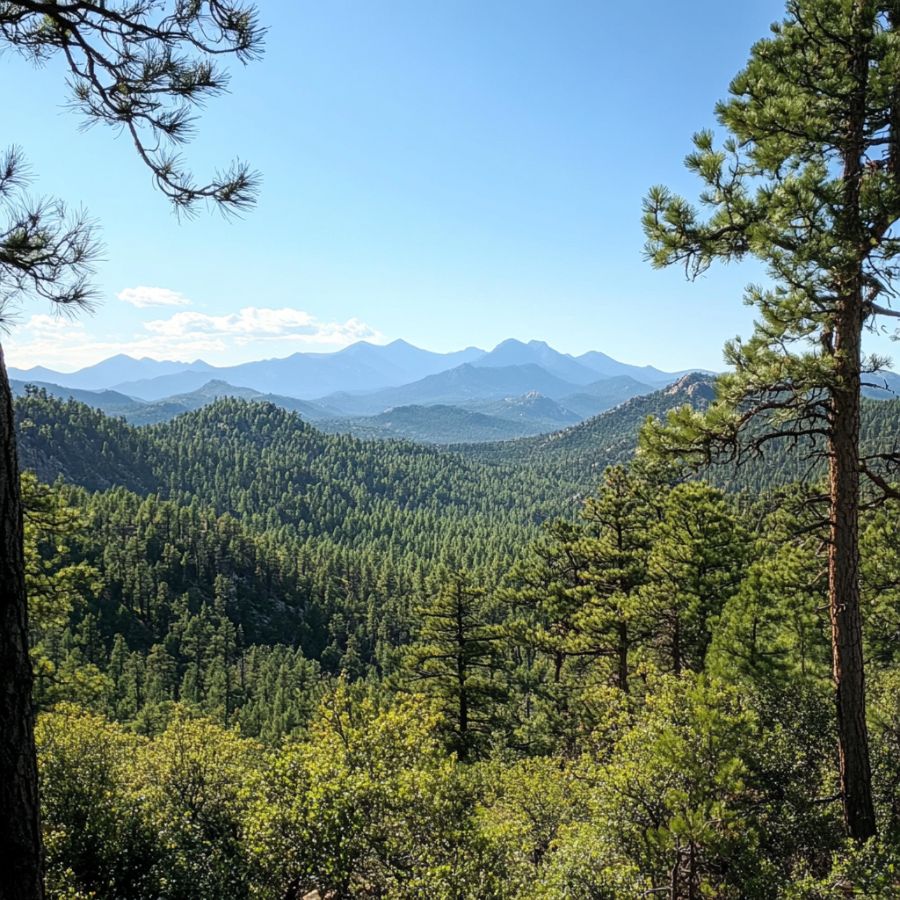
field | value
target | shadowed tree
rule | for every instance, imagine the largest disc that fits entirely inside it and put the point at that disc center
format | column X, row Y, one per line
column 695, row 564
column 616, row 543
column 44, row 254
column 141, row 66
column 457, row 660
column 807, row 181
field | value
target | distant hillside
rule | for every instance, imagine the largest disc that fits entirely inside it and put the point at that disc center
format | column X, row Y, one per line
column 577, row 455
column 454, row 387
column 477, row 420
column 599, row 396
column 150, row 413
column 143, row 412
column 432, row 425
column 533, row 410
column 272, row 469
column 113, row 403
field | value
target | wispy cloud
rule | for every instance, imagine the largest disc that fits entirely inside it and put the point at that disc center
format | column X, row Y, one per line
column 254, row 323
column 250, row 333
column 147, row 297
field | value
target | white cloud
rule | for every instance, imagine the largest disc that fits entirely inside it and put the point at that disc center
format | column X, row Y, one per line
column 145, row 297
column 50, row 327
column 48, row 340
column 255, row 323
column 251, row 333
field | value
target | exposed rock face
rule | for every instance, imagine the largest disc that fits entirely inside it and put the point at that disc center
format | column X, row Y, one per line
column 695, row 386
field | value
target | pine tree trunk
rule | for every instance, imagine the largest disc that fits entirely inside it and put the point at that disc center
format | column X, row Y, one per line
column 21, row 872
column 676, row 646
column 843, row 552
column 462, row 693
column 622, row 649
column 843, row 583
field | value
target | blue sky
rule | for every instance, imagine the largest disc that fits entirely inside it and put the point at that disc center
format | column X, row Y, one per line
column 452, row 173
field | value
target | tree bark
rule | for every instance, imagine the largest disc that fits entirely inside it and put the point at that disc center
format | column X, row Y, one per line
column 21, row 872
column 843, row 466
column 843, row 583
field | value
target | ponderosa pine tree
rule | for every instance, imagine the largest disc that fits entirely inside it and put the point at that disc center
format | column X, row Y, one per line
column 139, row 66
column 616, row 543
column 694, row 566
column 808, row 181
column 774, row 629
column 542, row 607
column 574, row 605
column 456, row 660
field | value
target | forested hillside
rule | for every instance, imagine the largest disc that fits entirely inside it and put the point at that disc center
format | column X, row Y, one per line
column 576, row 456
column 431, row 692
column 432, row 424
column 272, row 468
column 67, row 439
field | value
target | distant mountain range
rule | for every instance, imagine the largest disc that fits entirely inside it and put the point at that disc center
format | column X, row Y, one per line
column 570, row 459
column 361, row 367
column 396, row 390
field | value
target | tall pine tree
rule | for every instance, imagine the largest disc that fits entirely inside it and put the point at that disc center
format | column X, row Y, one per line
column 456, row 660
column 808, row 181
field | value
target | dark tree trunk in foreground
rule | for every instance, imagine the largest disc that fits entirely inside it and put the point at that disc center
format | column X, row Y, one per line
column 21, row 870
column 844, row 465
column 843, row 586
column 163, row 56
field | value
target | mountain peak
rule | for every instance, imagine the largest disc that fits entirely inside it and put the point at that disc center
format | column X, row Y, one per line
column 695, row 385
column 355, row 347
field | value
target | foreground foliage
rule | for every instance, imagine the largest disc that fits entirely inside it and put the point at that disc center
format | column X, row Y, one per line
column 640, row 702
column 701, row 790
